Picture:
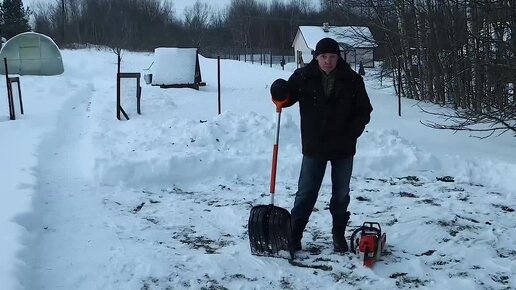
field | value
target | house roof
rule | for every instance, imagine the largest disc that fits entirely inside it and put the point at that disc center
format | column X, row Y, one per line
column 354, row 36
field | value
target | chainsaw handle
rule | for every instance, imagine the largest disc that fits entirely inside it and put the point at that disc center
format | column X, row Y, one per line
column 372, row 226
column 352, row 239
column 366, row 226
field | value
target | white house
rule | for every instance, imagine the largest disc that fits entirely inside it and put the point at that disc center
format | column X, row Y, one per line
column 356, row 42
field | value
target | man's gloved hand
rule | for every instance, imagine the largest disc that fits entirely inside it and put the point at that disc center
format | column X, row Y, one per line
column 279, row 91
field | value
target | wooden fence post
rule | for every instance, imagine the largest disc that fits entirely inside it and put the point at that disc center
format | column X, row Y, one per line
column 12, row 113
column 118, row 88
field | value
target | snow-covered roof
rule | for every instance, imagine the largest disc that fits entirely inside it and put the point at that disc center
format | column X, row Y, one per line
column 174, row 66
column 355, row 36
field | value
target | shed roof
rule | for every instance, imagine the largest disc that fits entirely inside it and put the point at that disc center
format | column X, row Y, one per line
column 354, row 36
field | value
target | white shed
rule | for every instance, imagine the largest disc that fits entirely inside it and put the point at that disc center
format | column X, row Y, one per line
column 176, row 68
column 31, row 53
column 356, row 42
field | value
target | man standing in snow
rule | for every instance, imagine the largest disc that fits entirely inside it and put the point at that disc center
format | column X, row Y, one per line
column 334, row 109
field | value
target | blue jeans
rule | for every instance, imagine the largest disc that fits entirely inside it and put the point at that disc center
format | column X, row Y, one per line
column 310, row 179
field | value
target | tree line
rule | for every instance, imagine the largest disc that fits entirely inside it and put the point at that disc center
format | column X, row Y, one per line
column 146, row 24
column 451, row 52
column 461, row 53
column 13, row 18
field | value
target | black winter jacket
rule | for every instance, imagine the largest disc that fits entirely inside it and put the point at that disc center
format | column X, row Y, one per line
column 330, row 126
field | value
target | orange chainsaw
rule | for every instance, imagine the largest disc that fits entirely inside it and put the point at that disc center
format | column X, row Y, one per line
column 368, row 242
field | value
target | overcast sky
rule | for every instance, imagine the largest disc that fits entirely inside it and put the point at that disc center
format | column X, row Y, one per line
column 179, row 5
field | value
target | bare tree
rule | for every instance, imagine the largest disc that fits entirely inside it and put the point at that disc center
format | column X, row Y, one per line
column 496, row 121
column 457, row 53
column 196, row 22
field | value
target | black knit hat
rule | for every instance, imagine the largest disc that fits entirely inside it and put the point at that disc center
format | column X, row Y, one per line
column 326, row 45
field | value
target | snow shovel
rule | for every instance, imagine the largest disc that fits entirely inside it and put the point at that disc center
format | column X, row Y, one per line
column 269, row 226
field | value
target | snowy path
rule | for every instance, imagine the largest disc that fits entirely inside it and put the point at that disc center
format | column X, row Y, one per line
column 69, row 241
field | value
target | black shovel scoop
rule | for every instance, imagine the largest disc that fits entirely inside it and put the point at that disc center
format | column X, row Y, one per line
column 269, row 226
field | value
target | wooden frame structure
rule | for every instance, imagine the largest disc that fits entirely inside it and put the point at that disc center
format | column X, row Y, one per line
column 10, row 97
column 119, row 77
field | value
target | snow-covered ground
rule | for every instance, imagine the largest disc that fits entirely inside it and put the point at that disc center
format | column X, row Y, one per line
column 161, row 201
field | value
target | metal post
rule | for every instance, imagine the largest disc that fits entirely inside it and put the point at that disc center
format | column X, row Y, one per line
column 138, row 95
column 118, row 89
column 399, row 86
column 355, row 59
column 218, row 82
column 63, row 20
column 20, row 96
column 270, row 51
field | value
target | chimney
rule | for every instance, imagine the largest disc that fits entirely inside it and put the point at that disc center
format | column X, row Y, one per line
column 326, row 27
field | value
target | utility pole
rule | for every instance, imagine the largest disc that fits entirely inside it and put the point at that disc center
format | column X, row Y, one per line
column 63, row 20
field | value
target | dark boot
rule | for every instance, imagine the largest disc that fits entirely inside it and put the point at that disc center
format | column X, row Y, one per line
column 340, row 244
column 338, row 233
column 296, row 235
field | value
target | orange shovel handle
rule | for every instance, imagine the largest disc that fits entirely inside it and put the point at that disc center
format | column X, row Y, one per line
column 280, row 104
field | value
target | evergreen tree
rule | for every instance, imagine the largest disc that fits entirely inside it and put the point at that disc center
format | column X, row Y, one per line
column 14, row 18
